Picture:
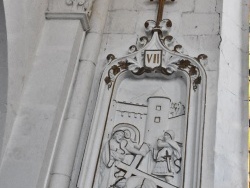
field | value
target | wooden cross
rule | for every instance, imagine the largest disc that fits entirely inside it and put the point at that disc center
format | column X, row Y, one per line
column 132, row 170
column 160, row 11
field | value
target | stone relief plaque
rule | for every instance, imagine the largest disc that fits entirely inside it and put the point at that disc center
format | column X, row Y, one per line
column 147, row 129
column 144, row 137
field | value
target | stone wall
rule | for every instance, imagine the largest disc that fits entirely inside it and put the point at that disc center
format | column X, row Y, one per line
column 212, row 27
column 3, row 74
column 232, row 114
column 24, row 21
column 198, row 27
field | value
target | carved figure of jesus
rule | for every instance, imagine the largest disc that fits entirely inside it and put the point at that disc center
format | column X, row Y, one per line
column 118, row 149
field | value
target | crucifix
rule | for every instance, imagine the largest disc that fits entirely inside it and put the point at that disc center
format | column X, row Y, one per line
column 160, row 11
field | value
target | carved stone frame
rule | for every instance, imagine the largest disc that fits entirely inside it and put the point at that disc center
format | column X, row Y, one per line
column 178, row 65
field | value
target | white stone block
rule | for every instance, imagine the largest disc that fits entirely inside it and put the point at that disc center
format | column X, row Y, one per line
column 122, row 5
column 191, row 44
column 121, row 21
column 203, row 6
column 117, row 44
column 177, row 6
column 41, row 104
column 200, row 24
column 143, row 5
column 180, row 6
column 209, row 45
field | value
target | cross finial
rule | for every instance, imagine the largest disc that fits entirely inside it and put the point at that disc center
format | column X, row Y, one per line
column 160, row 11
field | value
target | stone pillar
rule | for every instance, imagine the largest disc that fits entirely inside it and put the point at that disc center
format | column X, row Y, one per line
column 67, row 144
column 42, row 104
column 24, row 23
column 232, row 115
column 3, row 75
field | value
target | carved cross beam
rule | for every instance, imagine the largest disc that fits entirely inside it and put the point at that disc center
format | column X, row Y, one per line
column 160, row 11
column 133, row 171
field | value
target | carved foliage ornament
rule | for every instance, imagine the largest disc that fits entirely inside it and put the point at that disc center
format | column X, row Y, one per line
column 169, row 43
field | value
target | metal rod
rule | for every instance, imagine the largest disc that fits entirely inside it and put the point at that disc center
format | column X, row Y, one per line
column 160, row 12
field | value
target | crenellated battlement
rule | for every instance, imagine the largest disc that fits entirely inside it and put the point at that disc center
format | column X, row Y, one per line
column 127, row 114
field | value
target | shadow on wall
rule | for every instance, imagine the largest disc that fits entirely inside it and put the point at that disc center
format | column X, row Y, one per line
column 3, row 74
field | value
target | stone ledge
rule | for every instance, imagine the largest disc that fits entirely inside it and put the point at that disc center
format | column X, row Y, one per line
column 83, row 17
